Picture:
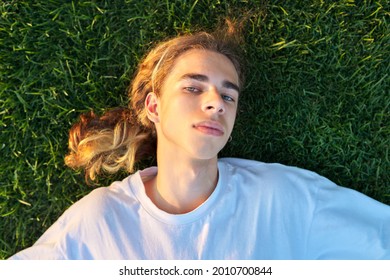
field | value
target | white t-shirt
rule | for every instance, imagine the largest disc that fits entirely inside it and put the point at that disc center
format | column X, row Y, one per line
column 257, row 211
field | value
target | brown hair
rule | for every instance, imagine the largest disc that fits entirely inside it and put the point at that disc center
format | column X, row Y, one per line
column 123, row 136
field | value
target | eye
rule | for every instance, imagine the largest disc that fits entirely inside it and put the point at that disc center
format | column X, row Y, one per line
column 192, row 89
column 227, row 98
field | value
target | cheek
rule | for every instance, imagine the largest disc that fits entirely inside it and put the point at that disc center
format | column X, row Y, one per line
column 232, row 116
column 173, row 111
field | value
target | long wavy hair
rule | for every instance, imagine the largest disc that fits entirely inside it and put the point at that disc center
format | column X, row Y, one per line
column 123, row 136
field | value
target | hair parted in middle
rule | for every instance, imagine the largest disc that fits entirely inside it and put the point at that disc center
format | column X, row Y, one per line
column 123, row 136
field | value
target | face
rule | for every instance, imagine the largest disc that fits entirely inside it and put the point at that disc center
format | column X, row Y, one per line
column 197, row 107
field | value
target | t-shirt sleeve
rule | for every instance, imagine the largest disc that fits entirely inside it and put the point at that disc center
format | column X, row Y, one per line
column 46, row 248
column 62, row 239
column 349, row 225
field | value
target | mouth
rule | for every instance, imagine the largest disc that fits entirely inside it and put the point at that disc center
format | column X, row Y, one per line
column 210, row 128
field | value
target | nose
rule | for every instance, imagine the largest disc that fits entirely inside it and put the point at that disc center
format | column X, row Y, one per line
column 213, row 102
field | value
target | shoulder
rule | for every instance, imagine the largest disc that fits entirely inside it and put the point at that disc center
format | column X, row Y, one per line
column 339, row 222
column 248, row 164
column 98, row 206
column 103, row 199
column 294, row 179
column 285, row 190
column 84, row 224
column 275, row 174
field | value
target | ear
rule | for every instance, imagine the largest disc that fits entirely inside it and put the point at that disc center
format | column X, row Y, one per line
column 151, row 105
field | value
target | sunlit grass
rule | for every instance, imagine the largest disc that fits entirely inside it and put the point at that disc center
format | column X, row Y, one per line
column 317, row 92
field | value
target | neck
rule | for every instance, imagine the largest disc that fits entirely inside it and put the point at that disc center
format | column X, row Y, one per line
column 182, row 184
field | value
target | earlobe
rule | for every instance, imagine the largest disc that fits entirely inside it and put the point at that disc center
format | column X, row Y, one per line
column 151, row 105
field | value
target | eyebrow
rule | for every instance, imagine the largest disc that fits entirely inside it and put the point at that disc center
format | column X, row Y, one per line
column 204, row 78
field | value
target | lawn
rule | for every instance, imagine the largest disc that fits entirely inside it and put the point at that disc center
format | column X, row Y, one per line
column 317, row 93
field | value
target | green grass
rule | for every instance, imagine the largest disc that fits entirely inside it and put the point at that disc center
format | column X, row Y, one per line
column 317, row 94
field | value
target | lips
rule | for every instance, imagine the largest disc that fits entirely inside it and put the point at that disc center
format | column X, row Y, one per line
column 210, row 127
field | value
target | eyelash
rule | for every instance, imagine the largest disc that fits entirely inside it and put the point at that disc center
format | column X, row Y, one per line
column 227, row 98
column 196, row 90
column 192, row 89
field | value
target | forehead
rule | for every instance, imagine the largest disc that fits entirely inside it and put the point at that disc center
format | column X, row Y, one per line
column 204, row 62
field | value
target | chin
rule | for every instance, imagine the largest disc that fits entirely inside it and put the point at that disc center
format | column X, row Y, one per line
column 207, row 153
